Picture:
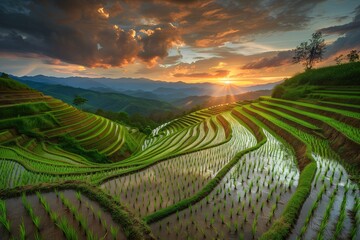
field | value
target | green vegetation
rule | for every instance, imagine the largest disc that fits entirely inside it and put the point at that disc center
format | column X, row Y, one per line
column 304, row 83
column 7, row 83
column 144, row 124
column 205, row 191
column 43, row 118
column 79, row 101
column 43, row 121
column 113, row 102
column 267, row 169
column 69, row 232
column 352, row 56
column 35, row 219
column 3, row 218
column 22, row 230
column 23, row 109
column 70, row 144
column 281, row 228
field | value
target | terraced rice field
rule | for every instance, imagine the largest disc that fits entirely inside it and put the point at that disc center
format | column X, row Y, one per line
column 268, row 169
column 57, row 214
column 54, row 118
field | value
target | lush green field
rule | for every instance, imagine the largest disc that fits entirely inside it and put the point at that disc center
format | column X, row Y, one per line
column 268, row 169
column 323, row 83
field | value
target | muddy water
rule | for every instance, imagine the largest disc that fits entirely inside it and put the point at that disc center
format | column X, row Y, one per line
column 175, row 179
column 222, row 215
column 16, row 213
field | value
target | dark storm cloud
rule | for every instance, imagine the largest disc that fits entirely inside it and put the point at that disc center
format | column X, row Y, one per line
column 72, row 31
column 67, row 30
column 99, row 33
column 282, row 58
column 217, row 74
column 156, row 44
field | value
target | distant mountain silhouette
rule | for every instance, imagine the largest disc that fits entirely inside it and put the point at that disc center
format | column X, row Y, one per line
column 147, row 88
column 112, row 101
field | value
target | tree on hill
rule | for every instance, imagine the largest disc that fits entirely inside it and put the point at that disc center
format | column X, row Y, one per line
column 339, row 59
column 353, row 56
column 4, row 75
column 310, row 52
column 147, row 130
column 79, row 101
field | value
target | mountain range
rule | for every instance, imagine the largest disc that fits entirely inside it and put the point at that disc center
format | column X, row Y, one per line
column 147, row 88
column 143, row 96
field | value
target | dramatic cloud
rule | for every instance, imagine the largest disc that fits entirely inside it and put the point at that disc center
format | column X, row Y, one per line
column 345, row 28
column 349, row 40
column 171, row 60
column 217, row 74
column 80, row 32
column 282, row 58
column 191, row 40
column 216, row 22
column 99, row 33
column 155, row 45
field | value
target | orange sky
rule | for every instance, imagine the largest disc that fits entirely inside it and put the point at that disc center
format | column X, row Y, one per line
column 226, row 41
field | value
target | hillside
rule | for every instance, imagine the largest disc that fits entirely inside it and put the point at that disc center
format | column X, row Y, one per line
column 8, row 84
column 109, row 101
column 319, row 83
column 32, row 120
column 270, row 168
column 145, row 103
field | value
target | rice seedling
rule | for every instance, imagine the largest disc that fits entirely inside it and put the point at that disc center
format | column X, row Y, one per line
column 54, row 216
column 35, row 219
column 356, row 212
column 340, row 222
column 68, row 231
column 253, row 227
column 241, row 236
column 91, row 236
column 326, row 216
column 99, row 215
column 3, row 217
column 37, row 236
column 78, row 196
column 22, row 230
column 212, row 222
column 222, row 219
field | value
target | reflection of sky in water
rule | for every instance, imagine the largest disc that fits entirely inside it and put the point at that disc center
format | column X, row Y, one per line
column 274, row 157
column 197, row 166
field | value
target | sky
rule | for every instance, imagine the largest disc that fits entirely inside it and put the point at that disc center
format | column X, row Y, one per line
column 220, row 41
